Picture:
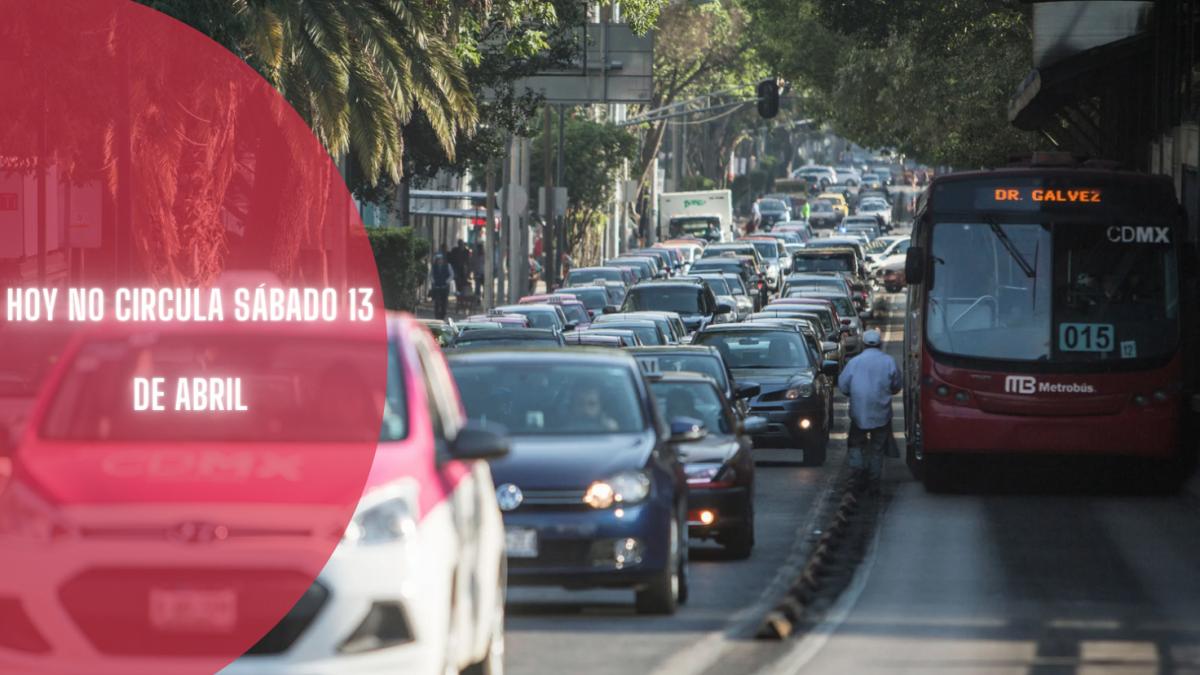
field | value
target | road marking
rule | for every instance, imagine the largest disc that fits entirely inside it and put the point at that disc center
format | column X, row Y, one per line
column 813, row 641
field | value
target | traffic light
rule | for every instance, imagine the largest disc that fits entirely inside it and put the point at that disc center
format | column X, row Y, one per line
column 768, row 98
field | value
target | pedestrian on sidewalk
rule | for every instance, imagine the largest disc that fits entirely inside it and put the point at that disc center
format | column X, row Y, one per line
column 869, row 380
column 477, row 264
column 459, row 258
column 441, row 277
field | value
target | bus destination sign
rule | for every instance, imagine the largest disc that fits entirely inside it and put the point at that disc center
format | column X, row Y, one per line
column 1053, row 195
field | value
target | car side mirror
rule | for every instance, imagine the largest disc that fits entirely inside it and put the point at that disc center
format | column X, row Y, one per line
column 723, row 308
column 747, row 390
column 754, row 425
column 480, row 440
column 829, row 346
column 914, row 265
column 829, row 367
column 570, row 325
column 687, row 430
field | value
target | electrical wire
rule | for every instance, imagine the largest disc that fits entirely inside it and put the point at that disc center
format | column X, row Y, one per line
column 713, row 118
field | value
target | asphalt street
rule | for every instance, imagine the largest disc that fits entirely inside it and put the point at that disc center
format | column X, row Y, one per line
column 559, row 631
column 1008, row 579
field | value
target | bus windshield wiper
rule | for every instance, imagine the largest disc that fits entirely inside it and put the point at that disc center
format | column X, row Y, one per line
column 1012, row 249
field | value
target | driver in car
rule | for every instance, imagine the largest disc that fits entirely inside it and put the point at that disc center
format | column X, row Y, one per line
column 590, row 414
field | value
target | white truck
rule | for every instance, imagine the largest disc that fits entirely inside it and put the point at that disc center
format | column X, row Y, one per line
column 707, row 214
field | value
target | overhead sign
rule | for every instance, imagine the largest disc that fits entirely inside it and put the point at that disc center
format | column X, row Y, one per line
column 612, row 65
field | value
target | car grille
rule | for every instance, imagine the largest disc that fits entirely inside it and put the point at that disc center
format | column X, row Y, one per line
column 557, row 553
column 557, row 500
column 106, row 602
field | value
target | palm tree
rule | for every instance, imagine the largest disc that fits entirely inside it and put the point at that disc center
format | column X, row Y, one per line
column 356, row 70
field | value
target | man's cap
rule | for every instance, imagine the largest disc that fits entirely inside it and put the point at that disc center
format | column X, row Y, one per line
column 872, row 338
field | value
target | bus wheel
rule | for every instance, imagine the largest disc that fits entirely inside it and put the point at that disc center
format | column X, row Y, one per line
column 937, row 473
column 910, row 458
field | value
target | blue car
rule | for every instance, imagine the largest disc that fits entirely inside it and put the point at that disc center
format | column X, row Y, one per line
column 593, row 492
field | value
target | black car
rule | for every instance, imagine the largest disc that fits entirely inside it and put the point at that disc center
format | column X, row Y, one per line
column 507, row 337
column 693, row 302
column 772, row 211
column 593, row 491
column 696, row 359
column 647, row 331
column 628, row 338
column 822, row 215
column 719, row 463
column 795, row 389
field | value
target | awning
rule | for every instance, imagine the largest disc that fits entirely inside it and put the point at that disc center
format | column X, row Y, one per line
column 1108, row 69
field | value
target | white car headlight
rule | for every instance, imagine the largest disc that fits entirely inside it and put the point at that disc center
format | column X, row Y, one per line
column 386, row 515
column 25, row 516
column 628, row 487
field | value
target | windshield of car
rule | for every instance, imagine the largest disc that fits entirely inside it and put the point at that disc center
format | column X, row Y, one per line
column 592, row 298
column 843, row 305
column 878, row 246
column 576, row 313
column 718, row 285
column 1066, row 291
column 681, row 299
column 299, row 389
column 872, row 205
column 588, row 275
column 646, row 331
column 697, row 400
column 777, row 349
column 815, row 284
column 739, row 249
column 538, row 318
column 771, row 205
column 698, row 227
column 733, row 267
column 535, row 398
column 769, row 250
column 705, row 364
column 468, row 341
column 838, row 262
column 821, row 205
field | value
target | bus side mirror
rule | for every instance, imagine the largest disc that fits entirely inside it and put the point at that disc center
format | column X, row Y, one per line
column 914, row 265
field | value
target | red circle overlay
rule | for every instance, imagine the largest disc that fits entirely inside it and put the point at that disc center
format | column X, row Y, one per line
column 137, row 156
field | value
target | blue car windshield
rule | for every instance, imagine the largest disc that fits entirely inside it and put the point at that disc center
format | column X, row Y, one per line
column 539, row 398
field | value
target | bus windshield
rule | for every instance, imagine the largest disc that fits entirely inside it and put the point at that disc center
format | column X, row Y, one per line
column 1071, row 292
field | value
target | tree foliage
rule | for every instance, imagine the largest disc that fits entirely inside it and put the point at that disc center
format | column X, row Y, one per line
column 594, row 153
column 930, row 78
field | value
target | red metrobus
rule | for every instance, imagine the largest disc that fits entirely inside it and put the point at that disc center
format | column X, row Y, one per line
column 1050, row 312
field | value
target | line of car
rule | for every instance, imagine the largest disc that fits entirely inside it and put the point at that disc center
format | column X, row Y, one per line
column 623, row 455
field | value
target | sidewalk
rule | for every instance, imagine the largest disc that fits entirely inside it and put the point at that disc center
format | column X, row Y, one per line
column 458, row 313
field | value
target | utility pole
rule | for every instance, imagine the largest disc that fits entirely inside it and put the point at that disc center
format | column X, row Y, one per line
column 489, row 240
column 505, row 219
column 548, row 238
column 560, row 226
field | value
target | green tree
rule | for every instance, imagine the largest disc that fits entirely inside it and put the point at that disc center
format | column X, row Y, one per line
column 355, row 71
column 932, row 80
column 594, row 153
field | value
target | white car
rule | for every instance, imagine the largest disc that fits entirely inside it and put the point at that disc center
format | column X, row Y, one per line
column 876, row 207
column 896, row 248
column 178, row 543
column 428, row 596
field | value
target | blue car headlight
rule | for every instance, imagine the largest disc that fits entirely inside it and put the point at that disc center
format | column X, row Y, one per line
column 627, row 487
